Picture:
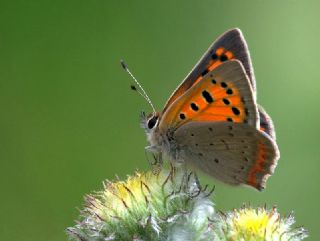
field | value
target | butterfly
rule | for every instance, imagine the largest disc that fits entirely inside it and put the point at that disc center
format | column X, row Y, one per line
column 212, row 121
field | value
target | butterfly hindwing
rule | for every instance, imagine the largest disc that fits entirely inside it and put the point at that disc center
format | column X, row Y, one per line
column 266, row 124
column 223, row 95
column 234, row 153
column 230, row 45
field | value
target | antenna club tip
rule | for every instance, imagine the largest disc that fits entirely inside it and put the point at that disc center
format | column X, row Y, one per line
column 123, row 64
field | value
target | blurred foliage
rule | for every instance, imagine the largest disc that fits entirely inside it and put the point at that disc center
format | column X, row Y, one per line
column 69, row 120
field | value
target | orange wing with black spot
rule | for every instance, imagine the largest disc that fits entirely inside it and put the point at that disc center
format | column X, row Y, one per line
column 230, row 45
column 224, row 94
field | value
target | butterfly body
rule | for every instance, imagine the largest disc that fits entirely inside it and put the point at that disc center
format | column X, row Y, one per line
column 212, row 121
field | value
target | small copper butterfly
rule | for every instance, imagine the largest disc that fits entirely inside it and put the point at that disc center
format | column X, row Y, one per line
column 212, row 121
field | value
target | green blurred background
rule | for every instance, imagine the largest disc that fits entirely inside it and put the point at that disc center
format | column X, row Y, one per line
column 69, row 120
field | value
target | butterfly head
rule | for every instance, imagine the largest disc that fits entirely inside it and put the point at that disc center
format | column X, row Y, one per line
column 149, row 122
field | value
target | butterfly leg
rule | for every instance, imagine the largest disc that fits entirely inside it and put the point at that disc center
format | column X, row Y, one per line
column 150, row 161
column 156, row 159
column 182, row 165
column 196, row 178
column 157, row 164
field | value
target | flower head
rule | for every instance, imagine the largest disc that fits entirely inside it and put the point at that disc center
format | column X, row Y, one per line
column 167, row 206
column 257, row 225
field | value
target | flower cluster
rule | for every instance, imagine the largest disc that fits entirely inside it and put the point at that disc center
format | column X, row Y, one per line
column 171, row 206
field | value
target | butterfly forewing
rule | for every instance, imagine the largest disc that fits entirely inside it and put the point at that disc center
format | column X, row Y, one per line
column 230, row 45
column 223, row 95
column 234, row 153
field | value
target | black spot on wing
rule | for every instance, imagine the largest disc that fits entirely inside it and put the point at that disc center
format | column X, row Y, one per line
column 235, row 111
column 223, row 84
column 204, row 72
column 182, row 116
column 207, row 96
column 194, row 106
column 226, row 101
column 223, row 58
column 214, row 56
column 229, row 91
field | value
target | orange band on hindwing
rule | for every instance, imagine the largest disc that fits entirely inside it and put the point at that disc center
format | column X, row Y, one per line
column 258, row 167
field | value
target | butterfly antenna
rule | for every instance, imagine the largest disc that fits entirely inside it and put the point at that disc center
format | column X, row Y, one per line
column 133, row 87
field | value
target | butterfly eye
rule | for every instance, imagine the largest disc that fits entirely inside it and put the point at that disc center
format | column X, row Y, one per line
column 152, row 122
